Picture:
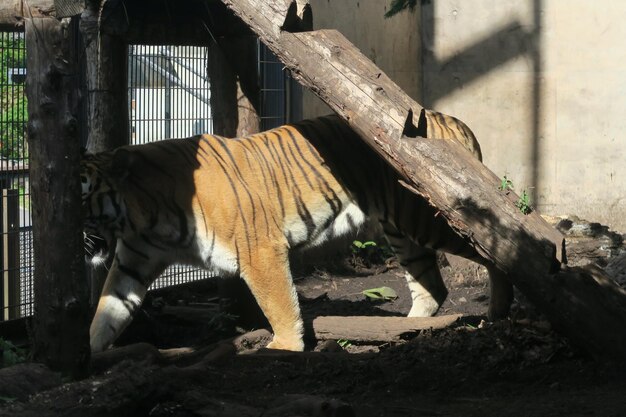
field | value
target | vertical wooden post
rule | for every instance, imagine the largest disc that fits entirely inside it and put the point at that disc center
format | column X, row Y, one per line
column 234, row 86
column 61, row 307
column 106, row 99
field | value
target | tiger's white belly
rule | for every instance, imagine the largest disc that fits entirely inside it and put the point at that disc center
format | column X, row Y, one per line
column 326, row 228
column 218, row 257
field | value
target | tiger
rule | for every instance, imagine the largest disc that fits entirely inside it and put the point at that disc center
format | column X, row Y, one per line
column 239, row 206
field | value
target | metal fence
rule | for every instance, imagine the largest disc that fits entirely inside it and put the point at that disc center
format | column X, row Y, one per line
column 15, row 224
column 168, row 96
column 280, row 95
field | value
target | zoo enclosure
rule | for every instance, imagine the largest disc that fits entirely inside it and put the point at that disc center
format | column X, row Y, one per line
column 168, row 96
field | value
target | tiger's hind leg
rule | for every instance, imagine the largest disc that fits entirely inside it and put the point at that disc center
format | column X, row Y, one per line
column 501, row 294
column 422, row 273
column 268, row 276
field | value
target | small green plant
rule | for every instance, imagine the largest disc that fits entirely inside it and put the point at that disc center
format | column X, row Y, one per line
column 358, row 246
column 381, row 293
column 344, row 343
column 10, row 354
column 523, row 204
column 368, row 253
column 505, row 184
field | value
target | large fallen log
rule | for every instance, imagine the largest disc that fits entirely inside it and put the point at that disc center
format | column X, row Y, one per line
column 464, row 191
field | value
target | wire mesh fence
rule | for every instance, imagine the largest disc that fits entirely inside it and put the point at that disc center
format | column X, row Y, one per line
column 15, row 224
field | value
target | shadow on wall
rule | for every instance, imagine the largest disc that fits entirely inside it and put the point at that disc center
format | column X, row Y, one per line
column 510, row 41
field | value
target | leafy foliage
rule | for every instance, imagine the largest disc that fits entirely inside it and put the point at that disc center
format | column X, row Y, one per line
column 13, row 104
column 398, row 5
column 523, row 204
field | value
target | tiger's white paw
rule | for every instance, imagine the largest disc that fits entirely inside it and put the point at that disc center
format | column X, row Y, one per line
column 293, row 344
column 424, row 307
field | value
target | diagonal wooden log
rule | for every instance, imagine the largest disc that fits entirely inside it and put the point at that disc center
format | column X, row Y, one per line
column 586, row 307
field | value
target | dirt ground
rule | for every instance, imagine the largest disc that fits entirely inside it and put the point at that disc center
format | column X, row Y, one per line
column 516, row 367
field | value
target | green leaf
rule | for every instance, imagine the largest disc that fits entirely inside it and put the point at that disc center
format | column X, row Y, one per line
column 357, row 244
column 7, row 399
column 344, row 343
column 384, row 293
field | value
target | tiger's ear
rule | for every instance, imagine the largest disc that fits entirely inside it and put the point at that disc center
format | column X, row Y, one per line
column 121, row 164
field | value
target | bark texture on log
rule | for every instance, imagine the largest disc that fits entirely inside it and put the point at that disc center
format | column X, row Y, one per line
column 13, row 12
column 464, row 191
column 107, row 99
column 61, row 303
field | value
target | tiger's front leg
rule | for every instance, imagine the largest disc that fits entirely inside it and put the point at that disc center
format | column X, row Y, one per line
column 268, row 276
column 130, row 275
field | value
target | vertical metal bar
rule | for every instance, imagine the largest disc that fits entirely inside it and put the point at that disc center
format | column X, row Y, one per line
column 167, row 101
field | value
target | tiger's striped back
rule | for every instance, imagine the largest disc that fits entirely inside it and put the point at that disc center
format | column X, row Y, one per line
column 239, row 205
column 443, row 126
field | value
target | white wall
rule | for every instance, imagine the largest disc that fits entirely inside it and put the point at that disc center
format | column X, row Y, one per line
column 542, row 83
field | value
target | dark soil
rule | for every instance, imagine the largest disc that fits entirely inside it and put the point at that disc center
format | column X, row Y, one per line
column 516, row 367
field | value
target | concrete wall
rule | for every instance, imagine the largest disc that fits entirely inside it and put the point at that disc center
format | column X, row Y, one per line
column 393, row 44
column 542, row 83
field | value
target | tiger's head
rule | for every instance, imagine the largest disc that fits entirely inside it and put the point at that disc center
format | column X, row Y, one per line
column 103, row 214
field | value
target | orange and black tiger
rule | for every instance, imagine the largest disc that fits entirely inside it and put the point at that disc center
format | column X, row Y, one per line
column 238, row 206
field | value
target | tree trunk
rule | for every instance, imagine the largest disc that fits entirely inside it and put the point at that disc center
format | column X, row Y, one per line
column 464, row 191
column 61, row 304
column 107, row 98
column 234, row 87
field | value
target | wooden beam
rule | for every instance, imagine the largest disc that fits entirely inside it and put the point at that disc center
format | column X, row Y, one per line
column 376, row 329
column 170, row 22
column 61, row 322
column 464, row 191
